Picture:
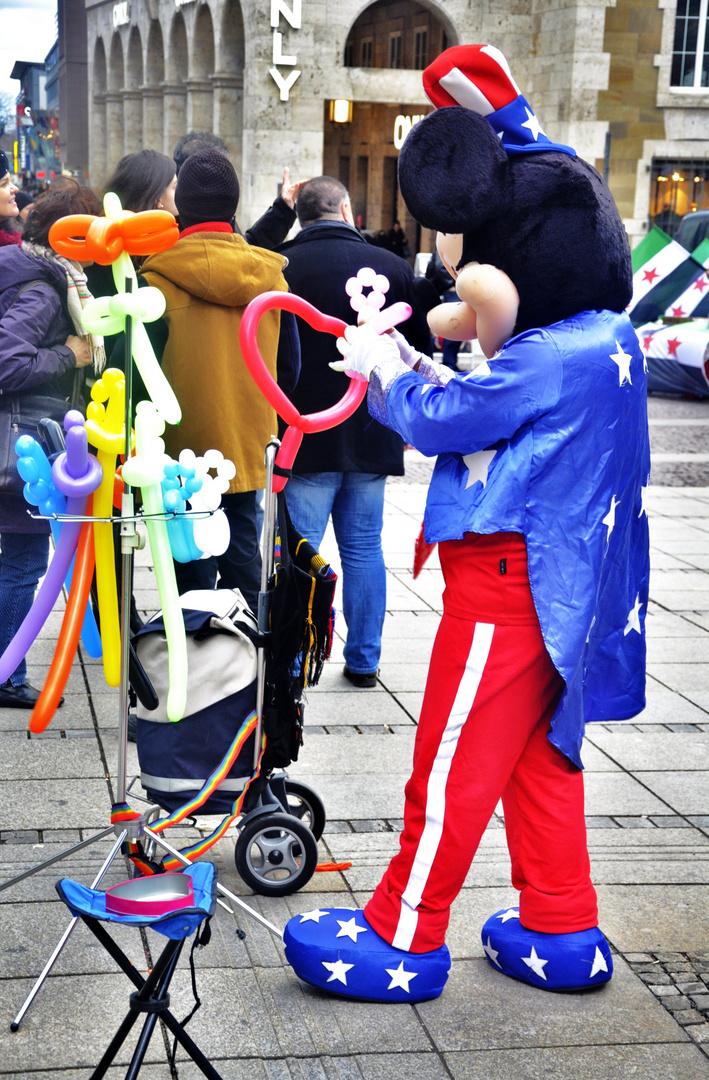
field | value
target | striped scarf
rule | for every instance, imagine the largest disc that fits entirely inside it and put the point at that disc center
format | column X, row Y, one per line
column 77, row 296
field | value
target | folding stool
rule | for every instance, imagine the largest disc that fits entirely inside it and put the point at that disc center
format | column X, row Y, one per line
column 151, row 997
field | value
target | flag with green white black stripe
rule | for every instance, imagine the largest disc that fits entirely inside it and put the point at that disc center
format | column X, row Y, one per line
column 662, row 271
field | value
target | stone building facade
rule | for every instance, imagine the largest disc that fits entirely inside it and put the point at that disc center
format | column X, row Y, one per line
column 263, row 74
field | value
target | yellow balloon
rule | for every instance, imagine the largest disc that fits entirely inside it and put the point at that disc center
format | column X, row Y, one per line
column 105, row 427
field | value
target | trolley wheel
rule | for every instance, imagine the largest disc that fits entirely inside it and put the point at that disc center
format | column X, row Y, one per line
column 306, row 804
column 276, row 854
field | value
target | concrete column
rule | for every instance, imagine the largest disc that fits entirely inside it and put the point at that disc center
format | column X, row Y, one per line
column 228, row 113
column 114, row 134
column 200, row 105
column 132, row 121
column 175, row 114
column 153, row 114
column 98, row 170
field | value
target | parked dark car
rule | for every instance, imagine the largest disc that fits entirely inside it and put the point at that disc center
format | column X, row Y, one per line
column 693, row 228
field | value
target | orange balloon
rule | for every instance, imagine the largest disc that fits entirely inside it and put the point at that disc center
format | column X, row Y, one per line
column 149, row 232
column 68, row 236
column 104, row 241
column 48, row 700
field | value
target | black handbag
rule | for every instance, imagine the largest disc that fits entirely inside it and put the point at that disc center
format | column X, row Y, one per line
column 21, row 412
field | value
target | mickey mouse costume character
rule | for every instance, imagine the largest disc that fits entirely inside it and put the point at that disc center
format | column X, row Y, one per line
column 536, row 503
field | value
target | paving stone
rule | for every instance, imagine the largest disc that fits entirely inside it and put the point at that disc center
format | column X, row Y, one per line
column 655, row 978
column 681, row 1062
column 634, row 822
column 640, row 751
column 651, row 917
column 619, row 793
column 482, row 1009
column 47, row 804
column 36, row 760
column 701, row 1002
column 683, row 792
column 668, row 822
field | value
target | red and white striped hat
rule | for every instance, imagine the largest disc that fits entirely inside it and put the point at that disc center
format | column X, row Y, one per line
column 478, row 77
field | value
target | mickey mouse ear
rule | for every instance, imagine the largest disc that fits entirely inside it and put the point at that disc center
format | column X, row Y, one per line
column 478, row 78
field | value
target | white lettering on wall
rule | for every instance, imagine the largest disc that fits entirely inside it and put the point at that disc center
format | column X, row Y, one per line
column 121, row 14
column 402, row 127
column 293, row 14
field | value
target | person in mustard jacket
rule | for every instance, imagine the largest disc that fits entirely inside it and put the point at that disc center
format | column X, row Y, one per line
column 208, row 277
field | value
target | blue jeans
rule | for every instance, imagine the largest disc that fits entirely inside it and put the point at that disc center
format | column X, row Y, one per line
column 23, row 561
column 356, row 503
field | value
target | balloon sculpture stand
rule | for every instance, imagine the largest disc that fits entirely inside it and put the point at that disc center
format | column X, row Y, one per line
column 78, row 476
column 111, row 240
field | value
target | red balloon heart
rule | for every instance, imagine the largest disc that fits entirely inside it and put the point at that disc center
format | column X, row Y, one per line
column 298, row 424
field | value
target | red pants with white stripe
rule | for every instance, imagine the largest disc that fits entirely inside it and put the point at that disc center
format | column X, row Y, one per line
column 491, row 692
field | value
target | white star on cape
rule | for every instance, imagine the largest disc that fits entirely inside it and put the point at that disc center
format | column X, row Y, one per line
column 399, row 978
column 622, row 359
column 482, row 368
column 511, row 913
column 599, row 963
column 313, row 916
column 535, row 963
column 492, row 953
column 338, row 971
column 350, row 929
column 533, row 124
column 633, row 622
column 478, row 466
column 609, row 519
column 643, row 506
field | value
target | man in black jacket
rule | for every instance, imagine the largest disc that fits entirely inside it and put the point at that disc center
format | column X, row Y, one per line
column 342, row 472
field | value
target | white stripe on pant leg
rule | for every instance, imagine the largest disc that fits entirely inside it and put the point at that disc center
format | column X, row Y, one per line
column 436, row 788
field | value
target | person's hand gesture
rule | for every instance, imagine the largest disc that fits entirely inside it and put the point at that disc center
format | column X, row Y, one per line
column 290, row 188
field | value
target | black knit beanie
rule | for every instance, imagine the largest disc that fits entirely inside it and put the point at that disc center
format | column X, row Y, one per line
column 4, row 165
column 207, row 189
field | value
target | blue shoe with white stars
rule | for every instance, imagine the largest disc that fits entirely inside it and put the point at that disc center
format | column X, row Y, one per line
column 577, row 961
column 338, row 951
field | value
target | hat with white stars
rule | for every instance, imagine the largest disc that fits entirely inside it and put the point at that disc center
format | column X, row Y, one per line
column 478, row 78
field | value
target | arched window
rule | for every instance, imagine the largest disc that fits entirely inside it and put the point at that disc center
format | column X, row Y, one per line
column 396, row 34
column 690, row 54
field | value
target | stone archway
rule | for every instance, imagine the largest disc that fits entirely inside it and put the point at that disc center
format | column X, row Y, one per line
column 153, row 112
column 115, row 143
column 200, row 104
column 398, row 34
column 175, row 98
column 132, row 94
column 229, row 80
column 99, row 138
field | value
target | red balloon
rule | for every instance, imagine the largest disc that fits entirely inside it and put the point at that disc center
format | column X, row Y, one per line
column 319, row 421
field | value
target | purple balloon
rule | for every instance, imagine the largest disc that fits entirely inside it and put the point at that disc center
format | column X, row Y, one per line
column 47, row 593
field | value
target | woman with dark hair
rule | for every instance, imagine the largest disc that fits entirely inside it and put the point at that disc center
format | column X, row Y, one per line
column 42, row 343
column 10, row 227
column 145, row 181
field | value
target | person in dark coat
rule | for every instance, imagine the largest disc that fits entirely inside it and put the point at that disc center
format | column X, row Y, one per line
column 342, row 472
column 39, row 352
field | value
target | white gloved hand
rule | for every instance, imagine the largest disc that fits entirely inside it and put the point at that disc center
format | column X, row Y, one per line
column 363, row 349
column 407, row 352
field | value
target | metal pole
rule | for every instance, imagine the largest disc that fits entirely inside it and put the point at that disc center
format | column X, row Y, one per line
column 220, row 888
column 65, row 936
column 56, row 858
column 127, row 541
column 267, row 561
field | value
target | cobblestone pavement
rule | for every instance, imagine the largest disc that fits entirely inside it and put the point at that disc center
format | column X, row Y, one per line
column 647, row 812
